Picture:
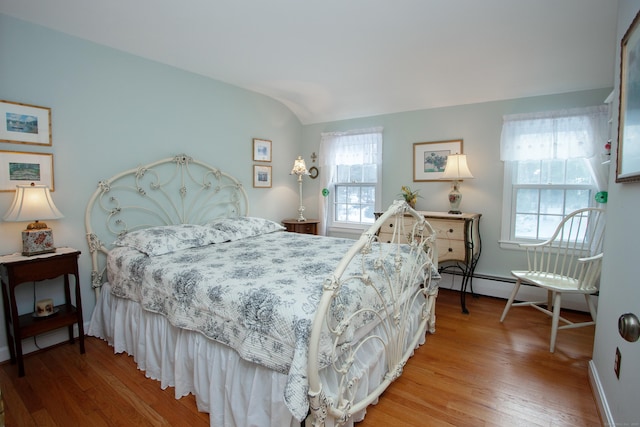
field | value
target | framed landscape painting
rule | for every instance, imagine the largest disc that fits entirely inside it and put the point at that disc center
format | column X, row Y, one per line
column 24, row 123
column 430, row 158
column 24, row 168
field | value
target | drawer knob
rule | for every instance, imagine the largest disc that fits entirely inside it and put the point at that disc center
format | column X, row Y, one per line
column 451, row 230
column 450, row 249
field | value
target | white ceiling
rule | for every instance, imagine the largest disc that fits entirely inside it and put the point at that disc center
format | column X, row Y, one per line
column 339, row 59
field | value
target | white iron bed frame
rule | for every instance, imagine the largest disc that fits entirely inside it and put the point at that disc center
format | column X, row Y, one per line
column 181, row 190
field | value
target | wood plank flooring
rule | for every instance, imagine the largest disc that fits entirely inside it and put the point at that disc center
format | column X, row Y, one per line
column 474, row 371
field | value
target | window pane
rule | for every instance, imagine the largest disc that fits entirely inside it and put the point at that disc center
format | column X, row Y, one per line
column 353, row 194
column 341, row 212
column 369, row 195
column 370, row 173
column 527, row 200
column 547, row 226
column 341, row 194
column 552, row 202
column 552, row 172
column 527, row 172
column 356, row 173
column 526, row 226
column 343, row 173
column 578, row 172
column 577, row 199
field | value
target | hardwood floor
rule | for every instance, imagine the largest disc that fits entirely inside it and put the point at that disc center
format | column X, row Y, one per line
column 474, row 371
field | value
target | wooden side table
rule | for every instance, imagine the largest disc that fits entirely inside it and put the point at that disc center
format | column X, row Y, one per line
column 458, row 242
column 309, row 226
column 16, row 270
column 459, row 245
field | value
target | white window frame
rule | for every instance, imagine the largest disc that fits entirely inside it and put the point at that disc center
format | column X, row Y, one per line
column 327, row 153
column 507, row 232
column 566, row 134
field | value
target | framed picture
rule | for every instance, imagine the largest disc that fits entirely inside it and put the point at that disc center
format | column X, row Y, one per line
column 261, row 150
column 24, row 168
column 430, row 158
column 25, row 124
column 628, row 160
column 261, row 176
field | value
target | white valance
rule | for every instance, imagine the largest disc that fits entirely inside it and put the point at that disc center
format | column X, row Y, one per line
column 356, row 147
column 564, row 134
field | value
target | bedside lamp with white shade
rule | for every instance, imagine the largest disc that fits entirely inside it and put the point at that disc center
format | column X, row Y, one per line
column 456, row 170
column 300, row 169
column 34, row 203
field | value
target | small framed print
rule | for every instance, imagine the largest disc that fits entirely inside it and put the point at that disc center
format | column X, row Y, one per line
column 261, row 176
column 261, row 150
column 430, row 158
column 24, row 168
column 24, row 123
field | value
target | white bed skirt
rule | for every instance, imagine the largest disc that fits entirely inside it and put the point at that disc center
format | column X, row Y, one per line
column 223, row 384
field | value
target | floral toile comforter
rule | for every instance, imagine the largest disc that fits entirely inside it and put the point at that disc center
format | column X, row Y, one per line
column 257, row 295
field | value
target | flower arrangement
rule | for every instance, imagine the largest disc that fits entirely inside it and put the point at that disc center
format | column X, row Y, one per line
column 409, row 195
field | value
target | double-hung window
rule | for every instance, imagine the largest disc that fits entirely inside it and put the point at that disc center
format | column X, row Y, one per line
column 352, row 164
column 552, row 167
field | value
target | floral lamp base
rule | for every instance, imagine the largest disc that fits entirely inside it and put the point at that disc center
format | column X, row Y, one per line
column 35, row 242
column 455, row 197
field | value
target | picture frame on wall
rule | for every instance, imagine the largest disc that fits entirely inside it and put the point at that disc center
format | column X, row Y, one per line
column 17, row 168
column 628, row 156
column 261, row 150
column 24, row 123
column 430, row 158
column 261, row 176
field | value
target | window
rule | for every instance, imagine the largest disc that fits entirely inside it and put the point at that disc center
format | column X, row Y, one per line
column 552, row 167
column 352, row 165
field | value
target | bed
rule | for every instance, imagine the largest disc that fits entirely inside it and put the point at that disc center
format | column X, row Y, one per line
column 264, row 327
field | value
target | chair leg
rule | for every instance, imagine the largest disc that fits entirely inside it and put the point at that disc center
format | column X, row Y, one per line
column 591, row 305
column 510, row 301
column 554, row 322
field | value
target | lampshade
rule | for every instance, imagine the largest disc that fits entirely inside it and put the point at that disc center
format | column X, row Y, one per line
column 31, row 203
column 455, row 170
column 456, row 167
column 34, row 203
column 299, row 167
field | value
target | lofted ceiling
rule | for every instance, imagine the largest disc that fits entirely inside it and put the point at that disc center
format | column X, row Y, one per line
column 339, row 59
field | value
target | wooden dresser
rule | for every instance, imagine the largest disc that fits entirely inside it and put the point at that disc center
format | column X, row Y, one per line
column 458, row 241
column 309, row 226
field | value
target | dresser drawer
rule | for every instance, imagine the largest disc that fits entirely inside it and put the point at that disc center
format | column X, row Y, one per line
column 450, row 250
column 309, row 226
column 450, row 230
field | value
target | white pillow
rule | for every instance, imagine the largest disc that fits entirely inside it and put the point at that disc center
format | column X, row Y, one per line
column 240, row 227
column 170, row 238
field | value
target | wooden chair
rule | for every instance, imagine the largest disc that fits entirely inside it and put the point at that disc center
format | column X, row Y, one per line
column 569, row 262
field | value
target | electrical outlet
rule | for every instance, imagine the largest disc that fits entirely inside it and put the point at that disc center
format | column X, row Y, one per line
column 617, row 362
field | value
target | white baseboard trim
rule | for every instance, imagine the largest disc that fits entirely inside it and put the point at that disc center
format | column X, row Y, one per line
column 599, row 396
column 501, row 288
column 44, row 340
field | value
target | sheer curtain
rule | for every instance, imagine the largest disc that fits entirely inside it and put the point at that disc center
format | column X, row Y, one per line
column 563, row 134
column 356, row 147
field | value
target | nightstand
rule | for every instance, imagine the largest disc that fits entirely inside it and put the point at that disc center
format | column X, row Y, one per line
column 458, row 242
column 17, row 269
column 309, row 226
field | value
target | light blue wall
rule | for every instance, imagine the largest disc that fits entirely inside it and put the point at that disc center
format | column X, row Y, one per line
column 113, row 111
column 479, row 126
column 619, row 287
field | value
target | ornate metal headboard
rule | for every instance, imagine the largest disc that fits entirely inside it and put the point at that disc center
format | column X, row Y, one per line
column 175, row 190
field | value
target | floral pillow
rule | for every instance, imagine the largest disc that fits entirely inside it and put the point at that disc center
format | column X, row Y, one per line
column 170, row 238
column 241, row 227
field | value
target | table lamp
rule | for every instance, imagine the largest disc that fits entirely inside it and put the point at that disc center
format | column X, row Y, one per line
column 300, row 168
column 33, row 203
column 456, row 170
